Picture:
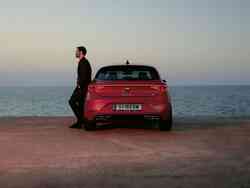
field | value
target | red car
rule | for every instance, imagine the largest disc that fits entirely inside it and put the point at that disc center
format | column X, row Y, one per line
column 128, row 93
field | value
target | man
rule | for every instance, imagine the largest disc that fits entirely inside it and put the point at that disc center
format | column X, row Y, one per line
column 77, row 99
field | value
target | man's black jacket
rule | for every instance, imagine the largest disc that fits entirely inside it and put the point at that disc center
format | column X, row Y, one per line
column 84, row 72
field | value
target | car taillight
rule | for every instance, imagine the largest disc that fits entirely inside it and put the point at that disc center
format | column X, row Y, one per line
column 94, row 88
column 93, row 91
column 91, row 88
column 160, row 88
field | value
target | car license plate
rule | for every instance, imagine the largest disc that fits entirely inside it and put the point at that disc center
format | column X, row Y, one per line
column 127, row 107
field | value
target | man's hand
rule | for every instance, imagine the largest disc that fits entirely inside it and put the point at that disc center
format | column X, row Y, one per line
column 77, row 84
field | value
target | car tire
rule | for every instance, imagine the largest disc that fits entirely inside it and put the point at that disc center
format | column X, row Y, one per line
column 166, row 125
column 89, row 126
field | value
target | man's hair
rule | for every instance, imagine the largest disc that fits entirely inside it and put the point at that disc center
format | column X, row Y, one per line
column 82, row 49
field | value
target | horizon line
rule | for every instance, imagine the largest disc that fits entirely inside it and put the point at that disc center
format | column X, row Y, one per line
column 171, row 85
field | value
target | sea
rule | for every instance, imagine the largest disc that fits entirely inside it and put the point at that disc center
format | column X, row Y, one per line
column 188, row 101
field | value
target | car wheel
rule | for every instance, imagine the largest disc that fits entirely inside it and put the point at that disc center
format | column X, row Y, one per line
column 166, row 125
column 89, row 126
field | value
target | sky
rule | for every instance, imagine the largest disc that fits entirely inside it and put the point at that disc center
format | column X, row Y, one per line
column 190, row 42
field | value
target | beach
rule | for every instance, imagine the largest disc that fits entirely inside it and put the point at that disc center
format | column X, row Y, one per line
column 44, row 152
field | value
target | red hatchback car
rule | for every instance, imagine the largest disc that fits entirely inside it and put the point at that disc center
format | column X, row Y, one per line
column 128, row 93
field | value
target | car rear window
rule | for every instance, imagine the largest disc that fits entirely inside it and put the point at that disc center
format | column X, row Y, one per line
column 127, row 73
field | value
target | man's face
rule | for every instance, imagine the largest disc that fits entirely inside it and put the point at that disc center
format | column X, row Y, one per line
column 77, row 53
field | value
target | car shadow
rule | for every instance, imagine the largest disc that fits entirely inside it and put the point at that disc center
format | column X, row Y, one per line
column 145, row 126
column 183, row 123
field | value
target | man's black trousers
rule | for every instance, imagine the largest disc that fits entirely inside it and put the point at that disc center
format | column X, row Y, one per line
column 76, row 103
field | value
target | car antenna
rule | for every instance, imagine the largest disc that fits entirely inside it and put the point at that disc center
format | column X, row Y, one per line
column 127, row 62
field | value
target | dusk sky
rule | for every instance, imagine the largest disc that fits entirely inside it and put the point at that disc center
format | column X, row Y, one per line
column 189, row 41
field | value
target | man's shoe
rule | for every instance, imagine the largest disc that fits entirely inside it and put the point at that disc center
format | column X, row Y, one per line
column 75, row 126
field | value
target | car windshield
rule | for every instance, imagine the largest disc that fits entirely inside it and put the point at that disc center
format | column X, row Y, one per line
column 127, row 73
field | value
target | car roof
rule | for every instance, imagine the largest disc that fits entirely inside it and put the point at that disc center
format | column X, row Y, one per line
column 127, row 67
column 134, row 66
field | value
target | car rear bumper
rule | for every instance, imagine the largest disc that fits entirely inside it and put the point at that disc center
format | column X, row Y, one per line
column 104, row 118
column 101, row 110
